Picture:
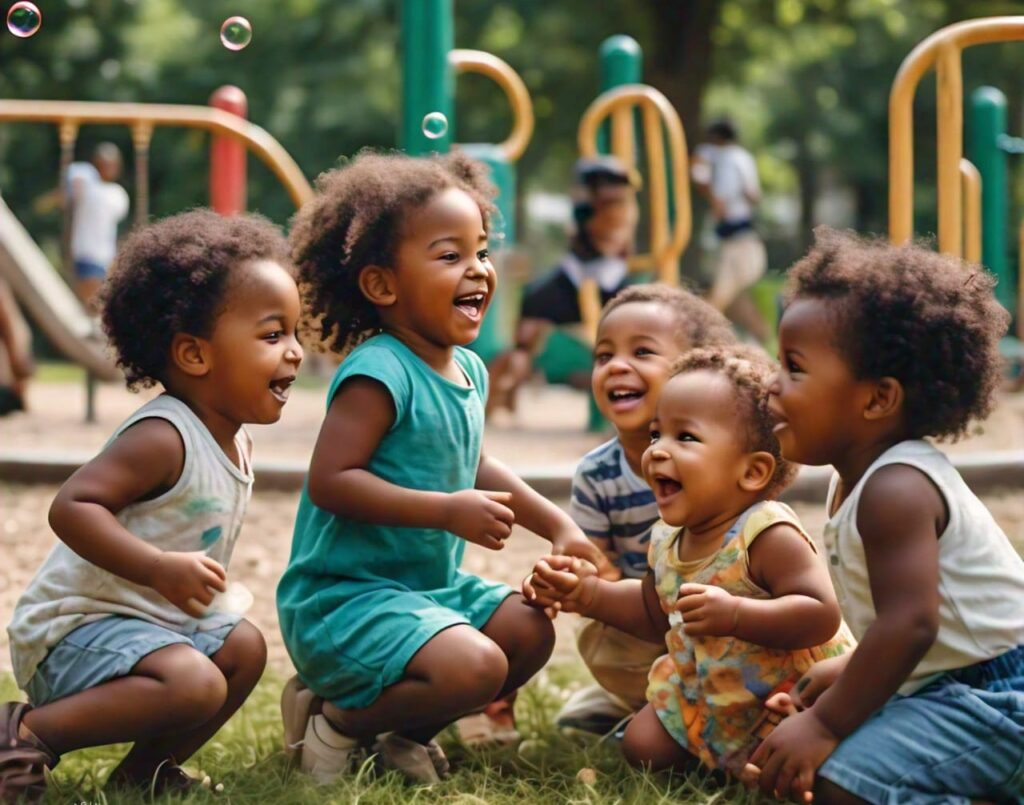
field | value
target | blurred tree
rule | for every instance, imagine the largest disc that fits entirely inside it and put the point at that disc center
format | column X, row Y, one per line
column 807, row 81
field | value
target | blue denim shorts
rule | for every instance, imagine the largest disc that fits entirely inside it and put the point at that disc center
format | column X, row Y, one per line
column 88, row 270
column 959, row 738
column 107, row 649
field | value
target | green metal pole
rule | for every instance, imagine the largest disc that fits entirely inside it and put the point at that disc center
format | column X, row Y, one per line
column 987, row 124
column 428, row 83
column 621, row 62
column 496, row 329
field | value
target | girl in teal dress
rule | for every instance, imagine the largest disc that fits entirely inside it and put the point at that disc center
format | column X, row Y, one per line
column 379, row 620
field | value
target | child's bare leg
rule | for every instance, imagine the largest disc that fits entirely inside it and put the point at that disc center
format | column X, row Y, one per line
column 240, row 661
column 526, row 637
column 174, row 688
column 648, row 745
column 459, row 670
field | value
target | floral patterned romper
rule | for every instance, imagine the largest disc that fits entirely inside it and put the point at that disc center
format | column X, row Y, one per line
column 709, row 692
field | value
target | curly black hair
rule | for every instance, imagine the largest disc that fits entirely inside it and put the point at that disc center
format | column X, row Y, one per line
column 171, row 277
column 699, row 323
column 926, row 319
column 750, row 371
column 356, row 220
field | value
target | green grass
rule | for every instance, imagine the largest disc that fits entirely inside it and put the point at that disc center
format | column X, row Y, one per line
column 246, row 757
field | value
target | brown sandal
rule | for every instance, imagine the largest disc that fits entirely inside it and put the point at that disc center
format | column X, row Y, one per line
column 22, row 761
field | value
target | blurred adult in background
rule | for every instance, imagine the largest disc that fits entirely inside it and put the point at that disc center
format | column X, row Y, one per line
column 98, row 204
column 725, row 174
column 605, row 215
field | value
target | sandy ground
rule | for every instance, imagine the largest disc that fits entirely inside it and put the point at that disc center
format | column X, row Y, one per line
column 548, row 429
column 262, row 552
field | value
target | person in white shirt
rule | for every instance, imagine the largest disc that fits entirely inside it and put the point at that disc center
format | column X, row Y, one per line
column 725, row 174
column 98, row 204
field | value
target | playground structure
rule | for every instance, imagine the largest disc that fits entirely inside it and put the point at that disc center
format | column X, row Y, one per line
column 625, row 113
column 972, row 194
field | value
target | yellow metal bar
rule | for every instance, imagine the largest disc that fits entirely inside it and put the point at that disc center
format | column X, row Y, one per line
column 479, row 61
column 68, row 113
column 950, row 141
column 970, row 180
column 590, row 307
column 142, row 136
column 623, row 144
column 948, row 41
column 655, row 147
column 1020, row 284
column 661, row 124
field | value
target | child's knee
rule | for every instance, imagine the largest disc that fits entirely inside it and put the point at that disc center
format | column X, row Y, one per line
column 647, row 745
column 195, row 688
column 245, row 654
column 478, row 674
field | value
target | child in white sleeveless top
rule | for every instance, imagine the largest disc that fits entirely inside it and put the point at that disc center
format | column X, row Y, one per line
column 119, row 638
column 881, row 347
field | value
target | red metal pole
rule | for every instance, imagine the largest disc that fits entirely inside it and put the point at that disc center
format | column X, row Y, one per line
column 227, row 157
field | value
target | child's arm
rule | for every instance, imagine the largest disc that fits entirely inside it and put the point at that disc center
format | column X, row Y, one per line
column 359, row 416
column 573, row 585
column 801, row 613
column 142, row 463
column 900, row 518
column 536, row 513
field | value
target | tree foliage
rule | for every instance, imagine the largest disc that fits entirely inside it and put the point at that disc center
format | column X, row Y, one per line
column 807, row 81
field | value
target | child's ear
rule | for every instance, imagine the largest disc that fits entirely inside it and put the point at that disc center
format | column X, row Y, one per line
column 378, row 285
column 758, row 472
column 190, row 355
column 886, row 399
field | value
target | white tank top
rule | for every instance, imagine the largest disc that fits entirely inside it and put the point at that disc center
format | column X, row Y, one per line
column 981, row 577
column 203, row 511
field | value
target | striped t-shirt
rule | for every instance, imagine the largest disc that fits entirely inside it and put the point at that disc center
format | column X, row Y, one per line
column 614, row 506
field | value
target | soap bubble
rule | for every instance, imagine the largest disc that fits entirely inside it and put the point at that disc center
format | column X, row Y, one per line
column 24, row 19
column 435, row 125
column 235, row 33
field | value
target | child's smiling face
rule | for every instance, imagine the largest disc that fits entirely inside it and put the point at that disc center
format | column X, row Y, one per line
column 637, row 343
column 254, row 351
column 817, row 400
column 443, row 277
column 698, row 455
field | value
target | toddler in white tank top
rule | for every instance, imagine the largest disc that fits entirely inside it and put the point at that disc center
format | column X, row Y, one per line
column 122, row 635
column 882, row 346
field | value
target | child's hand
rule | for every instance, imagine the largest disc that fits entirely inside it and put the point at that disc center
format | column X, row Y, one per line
column 563, row 583
column 785, row 763
column 818, row 679
column 707, row 610
column 480, row 516
column 575, row 543
column 188, row 580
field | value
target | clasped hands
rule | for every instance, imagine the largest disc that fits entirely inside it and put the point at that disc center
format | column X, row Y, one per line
column 570, row 584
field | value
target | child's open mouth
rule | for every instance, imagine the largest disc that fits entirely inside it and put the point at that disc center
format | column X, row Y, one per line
column 280, row 386
column 472, row 305
column 624, row 399
column 665, row 487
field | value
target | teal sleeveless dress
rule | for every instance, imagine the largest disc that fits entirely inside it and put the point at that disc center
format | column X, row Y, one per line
column 358, row 600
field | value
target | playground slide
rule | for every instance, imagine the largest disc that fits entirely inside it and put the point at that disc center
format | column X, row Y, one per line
column 47, row 298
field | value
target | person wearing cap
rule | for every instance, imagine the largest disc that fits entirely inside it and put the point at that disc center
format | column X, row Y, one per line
column 725, row 173
column 605, row 215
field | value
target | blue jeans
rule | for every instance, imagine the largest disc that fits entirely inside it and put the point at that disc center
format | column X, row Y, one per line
column 961, row 737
